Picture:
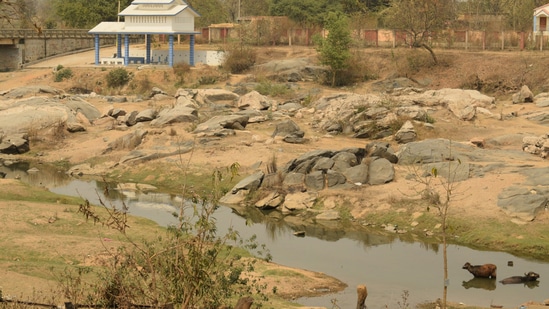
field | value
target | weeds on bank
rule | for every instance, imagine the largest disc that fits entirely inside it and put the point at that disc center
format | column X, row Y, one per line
column 272, row 89
column 62, row 73
column 190, row 265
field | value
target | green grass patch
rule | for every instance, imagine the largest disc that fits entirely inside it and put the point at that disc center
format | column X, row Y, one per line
column 282, row 273
column 28, row 193
column 172, row 180
column 527, row 241
column 272, row 89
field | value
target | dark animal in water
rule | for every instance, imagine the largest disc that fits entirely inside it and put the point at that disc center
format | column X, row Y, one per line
column 528, row 277
column 482, row 271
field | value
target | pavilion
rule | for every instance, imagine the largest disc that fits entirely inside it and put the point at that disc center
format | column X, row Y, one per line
column 149, row 17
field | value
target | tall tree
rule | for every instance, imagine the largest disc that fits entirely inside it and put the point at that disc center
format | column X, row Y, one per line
column 87, row 14
column 240, row 8
column 519, row 13
column 19, row 14
column 310, row 12
column 334, row 50
column 10, row 13
column 419, row 18
column 303, row 12
column 375, row 5
column 211, row 12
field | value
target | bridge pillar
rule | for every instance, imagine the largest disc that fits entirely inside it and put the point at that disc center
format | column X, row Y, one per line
column 96, row 46
column 126, row 49
column 170, row 50
column 191, row 50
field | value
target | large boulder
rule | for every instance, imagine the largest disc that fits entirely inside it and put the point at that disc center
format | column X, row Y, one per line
column 521, row 202
column 34, row 114
column 525, row 95
column 178, row 114
column 380, row 171
column 254, row 100
column 217, row 123
column 462, row 103
column 14, row 143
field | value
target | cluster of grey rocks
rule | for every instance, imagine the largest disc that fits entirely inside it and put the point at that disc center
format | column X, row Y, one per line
column 215, row 113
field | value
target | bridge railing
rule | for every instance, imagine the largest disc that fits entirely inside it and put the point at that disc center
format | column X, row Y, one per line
column 46, row 33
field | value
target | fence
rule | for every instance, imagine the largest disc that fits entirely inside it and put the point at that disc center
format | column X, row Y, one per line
column 449, row 39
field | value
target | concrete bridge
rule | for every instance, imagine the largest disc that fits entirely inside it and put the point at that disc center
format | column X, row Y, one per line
column 20, row 47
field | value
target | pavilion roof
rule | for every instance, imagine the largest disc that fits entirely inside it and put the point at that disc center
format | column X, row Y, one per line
column 120, row 28
column 542, row 10
column 135, row 8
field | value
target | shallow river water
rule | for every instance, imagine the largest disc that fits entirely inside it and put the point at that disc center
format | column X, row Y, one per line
column 387, row 265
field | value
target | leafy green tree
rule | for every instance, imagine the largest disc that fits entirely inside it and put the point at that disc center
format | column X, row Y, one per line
column 211, row 12
column 419, row 18
column 334, row 50
column 239, row 8
column 519, row 13
column 310, row 12
column 375, row 5
column 304, row 12
column 87, row 14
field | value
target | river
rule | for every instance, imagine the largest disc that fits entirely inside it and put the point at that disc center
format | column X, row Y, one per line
column 388, row 265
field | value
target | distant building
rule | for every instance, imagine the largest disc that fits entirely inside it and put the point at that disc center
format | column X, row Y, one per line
column 540, row 20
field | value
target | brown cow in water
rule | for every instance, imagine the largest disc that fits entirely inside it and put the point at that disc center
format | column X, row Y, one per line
column 528, row 277
column 482, row 271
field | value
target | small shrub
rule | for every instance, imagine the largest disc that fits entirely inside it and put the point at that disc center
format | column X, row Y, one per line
column 271, row 89
column 309, row 99
column 118, row 77
column 181, row 69
column 239, row 59
column 62, row 74
column 141, row 85
column 207, row 80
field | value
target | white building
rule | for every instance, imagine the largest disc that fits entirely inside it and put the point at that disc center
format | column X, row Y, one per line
column 540, row 19
column 148, row 17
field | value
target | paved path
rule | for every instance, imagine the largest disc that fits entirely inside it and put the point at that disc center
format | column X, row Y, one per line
column 78, row 59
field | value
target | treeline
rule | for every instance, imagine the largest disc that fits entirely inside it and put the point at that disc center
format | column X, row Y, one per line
column 469, row 14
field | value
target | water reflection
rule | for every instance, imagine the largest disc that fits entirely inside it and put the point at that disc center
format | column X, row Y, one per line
column 480, row 283
column 37, row 174
column 387, row 263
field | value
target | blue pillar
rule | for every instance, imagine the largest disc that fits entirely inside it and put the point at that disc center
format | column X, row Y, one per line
column 96, row 43
column 118, row 45
column 148, row 44
column 170, row 50
column 126, row 49
column 191, row 50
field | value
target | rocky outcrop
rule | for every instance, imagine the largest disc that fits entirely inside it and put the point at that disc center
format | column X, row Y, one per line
column 14, row 143
column 127, row 142
column 254, row 100
column 373, row 115
column 522, row 202
column 315, row 171
column 222, row 125
column 177, row 114
column 525, row 95
column 292, row 70
column 290, row 132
